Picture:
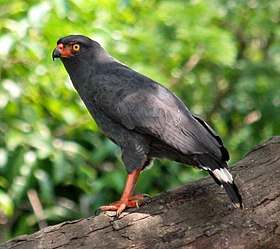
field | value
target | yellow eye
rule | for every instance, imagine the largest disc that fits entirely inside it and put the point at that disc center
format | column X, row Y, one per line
column 76, row 47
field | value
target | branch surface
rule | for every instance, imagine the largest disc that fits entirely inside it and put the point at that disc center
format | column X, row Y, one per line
column 196, row 216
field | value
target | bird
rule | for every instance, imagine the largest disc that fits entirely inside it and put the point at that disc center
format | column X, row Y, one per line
column 142, row 117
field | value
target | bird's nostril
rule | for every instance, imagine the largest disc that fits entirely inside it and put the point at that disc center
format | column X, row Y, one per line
column 60, row 46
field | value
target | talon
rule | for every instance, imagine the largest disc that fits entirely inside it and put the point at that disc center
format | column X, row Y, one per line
column 120, row 209
column 122, row 204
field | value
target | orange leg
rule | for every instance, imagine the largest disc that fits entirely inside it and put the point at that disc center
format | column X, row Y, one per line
column 127, row 200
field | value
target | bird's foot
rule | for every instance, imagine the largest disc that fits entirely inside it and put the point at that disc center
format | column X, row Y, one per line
column 122, row 204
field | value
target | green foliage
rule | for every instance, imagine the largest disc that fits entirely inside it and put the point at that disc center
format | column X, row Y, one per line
column 220, row 57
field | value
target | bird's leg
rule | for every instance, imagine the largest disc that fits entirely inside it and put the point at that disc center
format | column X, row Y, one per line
column 127, row 200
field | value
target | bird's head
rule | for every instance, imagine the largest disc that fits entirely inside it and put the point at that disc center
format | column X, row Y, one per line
column 81, row 57
column 72, row 46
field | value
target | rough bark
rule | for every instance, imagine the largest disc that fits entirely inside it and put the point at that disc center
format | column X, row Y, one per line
column 198, row 215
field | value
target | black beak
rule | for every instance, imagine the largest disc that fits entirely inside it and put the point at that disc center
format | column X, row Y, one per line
column 56, row 53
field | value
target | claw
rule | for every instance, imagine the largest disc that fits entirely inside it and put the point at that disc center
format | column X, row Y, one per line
column 127, row 200
column 120, row 209
column 122, row 204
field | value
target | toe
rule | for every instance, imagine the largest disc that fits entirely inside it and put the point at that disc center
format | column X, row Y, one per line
column 120, row 209
column 122, row 204
column 108, row 208
column 137, row 198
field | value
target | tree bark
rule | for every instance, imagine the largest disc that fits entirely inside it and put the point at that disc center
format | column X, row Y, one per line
column 198, row 215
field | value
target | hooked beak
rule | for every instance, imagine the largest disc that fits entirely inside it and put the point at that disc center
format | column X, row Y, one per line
column 62, row 51
column 56, row 53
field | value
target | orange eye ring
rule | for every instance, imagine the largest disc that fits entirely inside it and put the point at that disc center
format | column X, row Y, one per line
column 76, row 47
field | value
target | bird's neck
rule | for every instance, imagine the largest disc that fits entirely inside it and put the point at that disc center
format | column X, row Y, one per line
column 82, row 70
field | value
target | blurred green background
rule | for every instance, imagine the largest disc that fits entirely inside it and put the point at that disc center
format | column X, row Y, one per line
column 222, row 58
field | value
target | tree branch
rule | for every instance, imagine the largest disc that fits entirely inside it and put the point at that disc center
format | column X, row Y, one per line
column 198, row 215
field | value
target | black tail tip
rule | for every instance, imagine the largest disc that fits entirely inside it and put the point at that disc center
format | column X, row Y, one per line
column 238, row 205
column 234, row 194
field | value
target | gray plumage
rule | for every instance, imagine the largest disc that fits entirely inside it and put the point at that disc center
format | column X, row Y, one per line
column 141, row 116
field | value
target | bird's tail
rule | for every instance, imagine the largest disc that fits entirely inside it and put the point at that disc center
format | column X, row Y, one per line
column 224, row 178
